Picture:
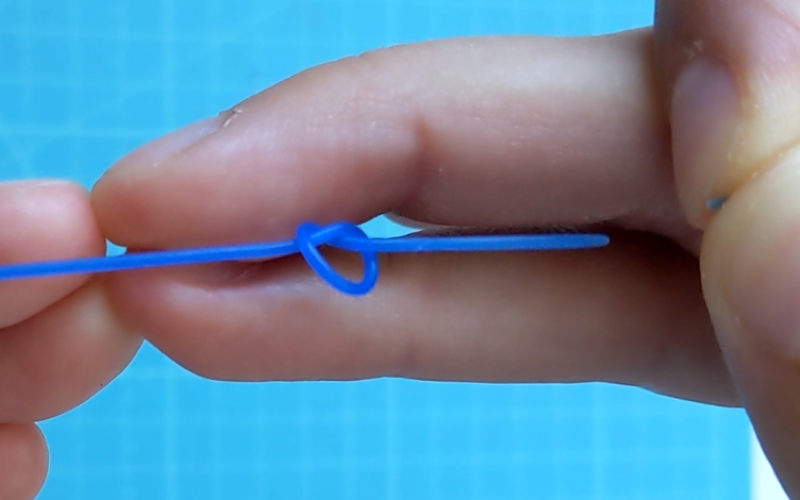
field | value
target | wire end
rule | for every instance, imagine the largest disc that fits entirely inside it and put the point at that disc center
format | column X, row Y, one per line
column 716, row 203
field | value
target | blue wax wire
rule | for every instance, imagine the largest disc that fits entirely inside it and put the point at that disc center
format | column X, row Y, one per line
column 341, row 235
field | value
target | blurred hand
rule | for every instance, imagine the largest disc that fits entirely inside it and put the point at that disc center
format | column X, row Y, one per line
column 635, row 132
column 59, row 341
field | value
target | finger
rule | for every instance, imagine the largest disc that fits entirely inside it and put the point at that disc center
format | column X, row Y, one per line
column 46, row 356
column 478, row 132
column 629, row 314
column 733, row 66
column 43, row 220
column 59, row 358
column 23, row 461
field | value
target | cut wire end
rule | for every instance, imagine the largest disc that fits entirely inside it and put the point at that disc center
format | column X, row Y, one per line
column 716, row 203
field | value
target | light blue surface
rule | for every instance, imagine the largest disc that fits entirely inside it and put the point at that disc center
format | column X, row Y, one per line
column 82, row 82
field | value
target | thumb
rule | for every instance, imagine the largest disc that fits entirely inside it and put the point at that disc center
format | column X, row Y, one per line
column 732, row 68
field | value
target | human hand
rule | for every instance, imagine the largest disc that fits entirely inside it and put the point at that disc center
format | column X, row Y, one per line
column 616, row 131
column 59, row 341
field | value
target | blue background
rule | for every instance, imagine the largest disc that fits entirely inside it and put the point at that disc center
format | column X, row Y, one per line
column 82, row 82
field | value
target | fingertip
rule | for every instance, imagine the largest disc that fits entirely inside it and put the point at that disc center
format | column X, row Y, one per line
column 40, row 221
column 751, row 260
column 751, row 268
column 24, row 461
column 124, row 195
column 38, row 217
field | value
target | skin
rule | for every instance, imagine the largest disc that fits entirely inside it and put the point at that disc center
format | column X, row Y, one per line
column 633, row 133
column 60, row 341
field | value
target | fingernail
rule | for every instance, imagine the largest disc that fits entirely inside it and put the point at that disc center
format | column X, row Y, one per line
column 705, row 115
column 157, row 151
column 761, row 279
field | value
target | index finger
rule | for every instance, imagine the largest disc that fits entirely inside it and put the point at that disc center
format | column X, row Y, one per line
column 481, row 132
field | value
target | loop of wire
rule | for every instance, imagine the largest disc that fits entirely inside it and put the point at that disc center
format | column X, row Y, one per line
column 310, row 237
column 308, row 240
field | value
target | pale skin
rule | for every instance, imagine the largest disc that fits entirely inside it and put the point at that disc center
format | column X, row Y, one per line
column 625, row 132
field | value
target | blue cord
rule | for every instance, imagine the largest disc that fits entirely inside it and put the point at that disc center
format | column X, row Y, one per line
column 310, row 237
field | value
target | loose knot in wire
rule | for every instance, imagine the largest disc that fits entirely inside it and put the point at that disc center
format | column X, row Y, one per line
column 343, row 235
